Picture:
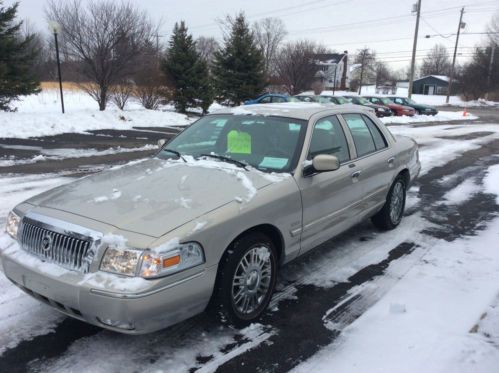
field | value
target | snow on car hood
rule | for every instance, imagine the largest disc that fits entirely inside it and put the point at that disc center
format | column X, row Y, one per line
column 156, row 196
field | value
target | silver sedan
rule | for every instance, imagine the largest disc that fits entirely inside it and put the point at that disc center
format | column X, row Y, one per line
column 208, row 221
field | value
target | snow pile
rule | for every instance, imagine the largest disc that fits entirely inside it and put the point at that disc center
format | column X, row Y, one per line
column 40, row 115
column 442, row 116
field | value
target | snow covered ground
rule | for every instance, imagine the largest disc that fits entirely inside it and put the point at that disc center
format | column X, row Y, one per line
column 39, row 115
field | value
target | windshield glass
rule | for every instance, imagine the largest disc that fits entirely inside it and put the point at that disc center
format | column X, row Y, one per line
column 293, row 99
column 362, row 101
column 385, row 101
column 410, row 101
column 270, row 144
column 342, row 100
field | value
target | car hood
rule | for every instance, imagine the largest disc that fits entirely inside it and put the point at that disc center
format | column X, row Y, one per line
column 155, row 196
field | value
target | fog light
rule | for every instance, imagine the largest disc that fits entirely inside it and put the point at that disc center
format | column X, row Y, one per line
column 117, row 323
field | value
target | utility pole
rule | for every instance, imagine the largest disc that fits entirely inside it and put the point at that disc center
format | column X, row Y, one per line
column 489, row 72
column 334, row 81
column 416, row 8
column 362, row 72
column 459, row 27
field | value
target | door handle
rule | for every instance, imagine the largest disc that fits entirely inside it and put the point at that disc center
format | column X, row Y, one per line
column 356, row 174
column 391, row 160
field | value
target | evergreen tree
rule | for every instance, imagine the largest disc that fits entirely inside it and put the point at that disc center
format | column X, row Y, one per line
column 16, row 59
column 187, row 72
column 239, row 68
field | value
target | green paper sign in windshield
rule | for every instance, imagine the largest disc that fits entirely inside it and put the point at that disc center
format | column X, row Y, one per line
column 238, row 142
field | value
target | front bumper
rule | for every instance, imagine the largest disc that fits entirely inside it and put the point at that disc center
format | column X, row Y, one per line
column 88, row 299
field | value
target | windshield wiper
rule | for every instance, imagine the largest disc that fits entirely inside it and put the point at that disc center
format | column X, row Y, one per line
column 226, row 159
column 175, row 152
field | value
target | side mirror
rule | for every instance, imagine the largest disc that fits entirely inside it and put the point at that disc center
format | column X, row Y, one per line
column 322, row 163
column 161, row 143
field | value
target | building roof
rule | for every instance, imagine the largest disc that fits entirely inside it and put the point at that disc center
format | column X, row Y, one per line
column 329, row 57
column 439, row 77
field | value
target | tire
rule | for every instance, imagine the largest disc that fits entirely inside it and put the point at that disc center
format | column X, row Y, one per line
column 390, row 215
column 246, row 280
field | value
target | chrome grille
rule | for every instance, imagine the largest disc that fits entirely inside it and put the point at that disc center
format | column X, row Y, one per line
column 69, row 250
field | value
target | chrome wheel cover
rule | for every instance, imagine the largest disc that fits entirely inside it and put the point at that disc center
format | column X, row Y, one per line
column 397, row 202
column 252, row 279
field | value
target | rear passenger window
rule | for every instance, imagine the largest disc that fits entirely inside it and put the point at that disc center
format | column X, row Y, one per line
column 361, row 134
column 328, row 138
column 379, row 139
column 265, row 100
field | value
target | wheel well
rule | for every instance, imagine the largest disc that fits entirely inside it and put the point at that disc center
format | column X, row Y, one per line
column 272, row 232
column 405, row 174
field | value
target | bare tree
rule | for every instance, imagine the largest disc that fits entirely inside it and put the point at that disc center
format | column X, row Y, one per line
column 295, row 65
column 105, row 36
column 269, row 34
column 436, row 62
column 121, row 93
column 366, row 72
column 383, row 73
column 493, row 29
column 206, row 47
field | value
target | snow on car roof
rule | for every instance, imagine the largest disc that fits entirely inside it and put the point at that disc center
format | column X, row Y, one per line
column 298, row 110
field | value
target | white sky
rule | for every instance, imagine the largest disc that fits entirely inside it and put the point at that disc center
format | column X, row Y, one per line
column 384, row 25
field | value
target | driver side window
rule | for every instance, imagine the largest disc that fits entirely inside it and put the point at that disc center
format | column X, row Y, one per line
column 328, row 138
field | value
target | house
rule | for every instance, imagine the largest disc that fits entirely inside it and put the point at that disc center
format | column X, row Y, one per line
column 333, row 70
column 431, row 85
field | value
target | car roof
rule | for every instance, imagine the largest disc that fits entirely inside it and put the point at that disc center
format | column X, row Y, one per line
column 298, row 110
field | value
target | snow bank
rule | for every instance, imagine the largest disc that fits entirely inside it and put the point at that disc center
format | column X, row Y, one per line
column 442, row 116
column 39, row 115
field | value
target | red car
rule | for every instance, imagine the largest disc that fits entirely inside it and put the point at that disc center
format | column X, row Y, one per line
column 397, row 109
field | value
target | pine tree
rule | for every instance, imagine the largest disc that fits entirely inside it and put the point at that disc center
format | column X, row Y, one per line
column 16, row 59
column 187, row 72
column 239, row 66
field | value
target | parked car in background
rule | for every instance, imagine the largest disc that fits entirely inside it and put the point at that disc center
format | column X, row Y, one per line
column 307, row 98
column 271, row 98
column 380, row 110
column 421, row 109
column 208, row 221
column 337, row 100
column 397, row 109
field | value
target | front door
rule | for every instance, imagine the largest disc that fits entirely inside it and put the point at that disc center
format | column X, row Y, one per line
column 329, row 198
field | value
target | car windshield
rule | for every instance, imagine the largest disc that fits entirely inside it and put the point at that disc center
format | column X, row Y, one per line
column 293, row 99
column 362, row 101
column 385, row 100
column 342, row 100
column 268, row 143
column 410, row 101
column 325, row 100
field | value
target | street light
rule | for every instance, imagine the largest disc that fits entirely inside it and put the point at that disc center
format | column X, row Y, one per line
column 55, row 28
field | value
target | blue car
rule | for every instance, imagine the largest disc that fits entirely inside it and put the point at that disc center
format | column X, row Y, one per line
column 271, row 98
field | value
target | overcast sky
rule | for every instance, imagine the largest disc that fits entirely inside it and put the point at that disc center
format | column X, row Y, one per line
column 386, row 26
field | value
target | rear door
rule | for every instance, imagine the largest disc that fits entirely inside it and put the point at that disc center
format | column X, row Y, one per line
column 330, row 199
column 375, row 160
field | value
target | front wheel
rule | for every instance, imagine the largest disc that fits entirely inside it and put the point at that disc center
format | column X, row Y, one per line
column 393, row 209
column 246, row 279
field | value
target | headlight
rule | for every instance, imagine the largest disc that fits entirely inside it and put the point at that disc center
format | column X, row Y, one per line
column 380, row 109
column 183, row 256
column 121, row 261
column 12, row 224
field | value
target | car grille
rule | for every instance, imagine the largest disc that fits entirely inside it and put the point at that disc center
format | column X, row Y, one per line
column 64, row 249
